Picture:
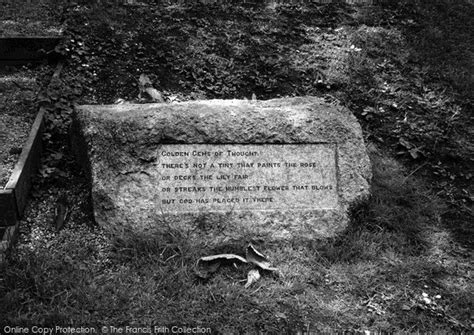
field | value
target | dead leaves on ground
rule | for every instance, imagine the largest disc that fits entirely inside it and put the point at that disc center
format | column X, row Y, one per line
column 255, row 257
column 208, row 265
column 147, row 91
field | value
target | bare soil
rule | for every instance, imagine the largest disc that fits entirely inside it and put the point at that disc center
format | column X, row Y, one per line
column 17, row 100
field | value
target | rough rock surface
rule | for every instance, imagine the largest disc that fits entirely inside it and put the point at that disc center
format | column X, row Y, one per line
column 119, row 145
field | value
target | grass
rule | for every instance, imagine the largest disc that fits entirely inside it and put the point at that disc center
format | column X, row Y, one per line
column 35, row 19
column 371, row 277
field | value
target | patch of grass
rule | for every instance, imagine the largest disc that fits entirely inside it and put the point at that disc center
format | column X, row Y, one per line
column 394, row 218
column 40, row 18
column 408, row 85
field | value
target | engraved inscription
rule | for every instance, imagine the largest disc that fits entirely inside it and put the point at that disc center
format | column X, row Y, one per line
column 206, row 177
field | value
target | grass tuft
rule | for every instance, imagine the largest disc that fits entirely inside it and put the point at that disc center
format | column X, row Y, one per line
column 394, row 218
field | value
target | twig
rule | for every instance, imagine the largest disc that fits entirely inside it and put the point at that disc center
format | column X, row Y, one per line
column 411, row 173
column 21, row 86
column 57, row 71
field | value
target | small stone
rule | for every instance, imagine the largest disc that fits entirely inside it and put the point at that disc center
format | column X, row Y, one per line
column 406, row 307
column 280, row 315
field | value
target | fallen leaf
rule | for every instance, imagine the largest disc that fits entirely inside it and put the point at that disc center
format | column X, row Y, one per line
column 255, row 257
column 280, row 315
column 427, row 300
column 154, row 94
column 206, row 266
column 413, row 153
column 221, row 257
column 252, row 277
column 405, row 143
column 61, row 212
column 406, row 307
column 205, row 271
column 144, row 80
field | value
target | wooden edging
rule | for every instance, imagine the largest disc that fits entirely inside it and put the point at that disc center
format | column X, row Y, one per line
column 14, row 196
column 8, row 210
column 20, row 179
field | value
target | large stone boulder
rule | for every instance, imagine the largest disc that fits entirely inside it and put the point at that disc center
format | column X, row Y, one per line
column 221, row 170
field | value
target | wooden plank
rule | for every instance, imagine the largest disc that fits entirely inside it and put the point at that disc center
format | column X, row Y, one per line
column 8, row 211
column 25, row 168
